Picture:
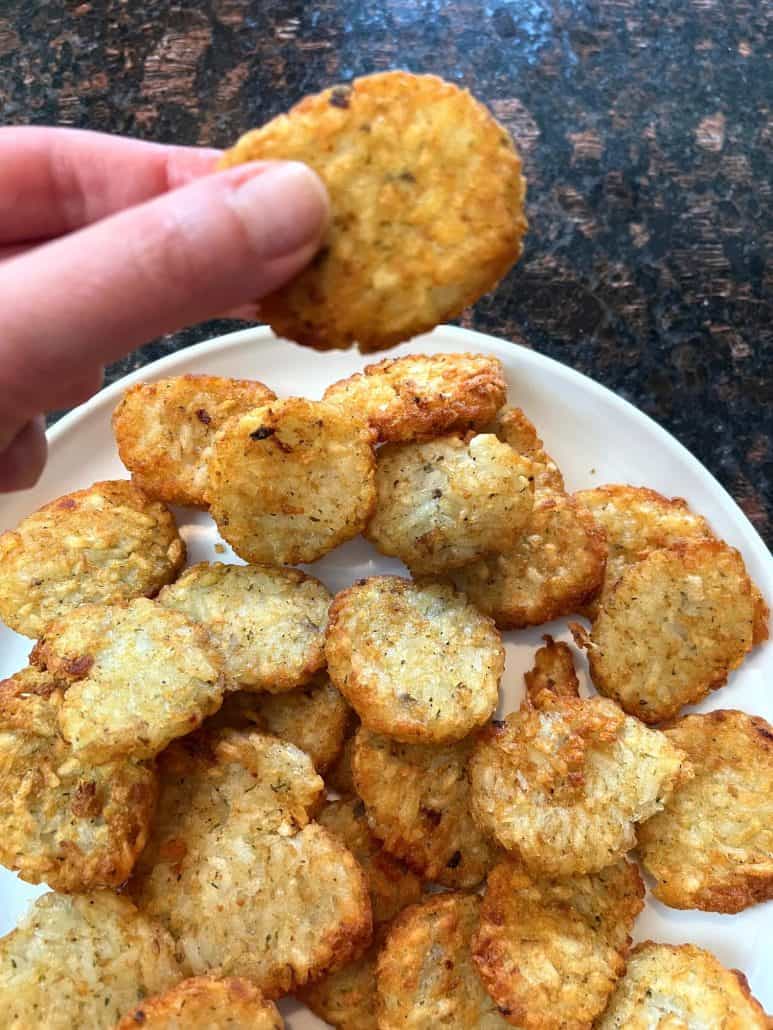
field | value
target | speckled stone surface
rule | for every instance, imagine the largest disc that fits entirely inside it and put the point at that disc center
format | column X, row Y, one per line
column 646, row 130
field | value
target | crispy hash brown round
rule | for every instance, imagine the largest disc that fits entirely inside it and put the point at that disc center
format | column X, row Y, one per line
column 446, row 502
column 391, row 885
column 102, row 545
column 565, row 785
column 712, row 845
column 514, row 428
column 426, row 977
column 426, row 196
column 136, row 676
column 291, row 480
column 636, row 521
column 206, row 1003
column 415, row 660
column 81, row 961
column 667, row 986
column 244, row 882
column 550, row 953
column 418, row 802
column 421, row 396
column 555, row 568
column 674, row 627
column 164, row 431
column 314, row 717
column 268, row 622
column 347, row 998
column 71, row 825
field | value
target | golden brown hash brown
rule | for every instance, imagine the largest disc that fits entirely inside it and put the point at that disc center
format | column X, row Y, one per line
column 290, row 481
column 415, row 660
column 514, row 428
column 348, row 998
column 102, row 545
column 314, row 717
column 70, row 824
column 443, row 503
column 681, row 986
column 677, row 623
column 565, row 785
column 135, row 675
column 555, row 568
column 636, row 521
column 245, row 883
column 392, row 886
column 553, row 673
column 206, row 1003
column 550, row 952
column 426, row 977
column 426, row 199
column 421, row 396
column 712, row 845
column 417, row 799
column 164, row 431
column 82, row 961
column 268, row 622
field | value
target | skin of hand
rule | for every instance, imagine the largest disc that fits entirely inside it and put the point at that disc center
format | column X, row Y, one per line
column 107, row 242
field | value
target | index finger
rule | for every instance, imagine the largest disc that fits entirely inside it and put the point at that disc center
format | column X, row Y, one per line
column 53, row 181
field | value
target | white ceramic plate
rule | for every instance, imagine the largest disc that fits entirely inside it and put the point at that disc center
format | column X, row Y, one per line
column 595, row 437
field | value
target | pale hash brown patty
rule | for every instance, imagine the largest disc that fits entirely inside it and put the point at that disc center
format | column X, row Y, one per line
column 674, row 627
column 443, row 503
column 421, row 396
column 102, row 545
column 512, row 427
column 82, row 961
column 267, row 621
column 415, row 660
column 206, row 1003
column 426, row 976
column 164, row 431
column 550, row 952
column 347, row 998
column 426, row 199
column 314, row 717
column 553, row 570
column 417, row 799
column 65, row 822
column 392, row 886
column 638, row 520
column 117, row 700
column 290, row 481
column 245, row 883
column 712, row 845
column 680, row 987
column 565, row 785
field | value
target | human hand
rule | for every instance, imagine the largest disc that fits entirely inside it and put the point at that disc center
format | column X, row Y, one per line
column 106, row 242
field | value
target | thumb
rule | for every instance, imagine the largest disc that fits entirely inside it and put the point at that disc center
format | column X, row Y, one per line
column 88, row 298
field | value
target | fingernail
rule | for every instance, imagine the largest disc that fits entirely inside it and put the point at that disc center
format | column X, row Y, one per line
column 283, row 209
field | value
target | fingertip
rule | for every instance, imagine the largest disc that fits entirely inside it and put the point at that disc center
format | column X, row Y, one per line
column 284, row 209
column 23, row 460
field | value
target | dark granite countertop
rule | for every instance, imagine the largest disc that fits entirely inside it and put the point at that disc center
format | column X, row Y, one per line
column 646, row 130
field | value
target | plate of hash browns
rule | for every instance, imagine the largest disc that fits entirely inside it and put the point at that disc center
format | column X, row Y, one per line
column 427, row 691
